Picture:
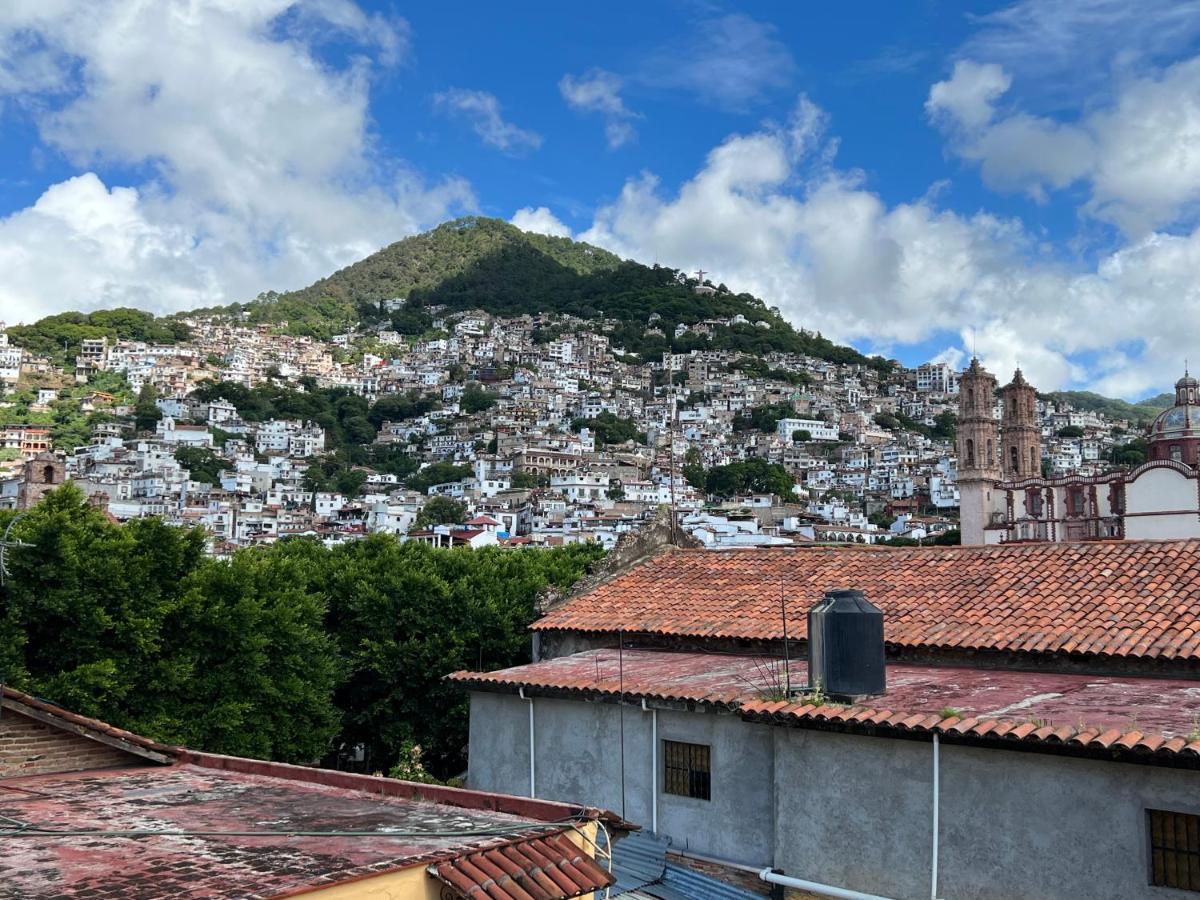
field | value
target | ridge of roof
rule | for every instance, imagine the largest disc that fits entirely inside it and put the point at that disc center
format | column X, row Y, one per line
column 1134, row 599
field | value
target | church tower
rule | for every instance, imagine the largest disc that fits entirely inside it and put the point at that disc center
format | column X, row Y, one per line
column 1020, row 436
column 978, row 433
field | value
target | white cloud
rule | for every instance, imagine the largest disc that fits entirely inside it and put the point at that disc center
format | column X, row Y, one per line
column 730, row 60
column 1139, row 155
column 258, row 160
column 483, row 111
column 600, row 92
column 540, row 221
column 833, row 256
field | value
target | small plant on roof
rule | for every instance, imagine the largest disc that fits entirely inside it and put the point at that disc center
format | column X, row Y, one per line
column 769, row 680
column 1194, row 734
column 949, row 712
column 815, row 695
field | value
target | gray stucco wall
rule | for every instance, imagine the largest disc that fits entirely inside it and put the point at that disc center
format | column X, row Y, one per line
column 578, row 759
column 1012, row 824
column 850, row 810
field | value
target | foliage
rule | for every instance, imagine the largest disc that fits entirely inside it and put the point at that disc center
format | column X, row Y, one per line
column 763, row 418
column 133, row 624
column 754, row 475
column 1069, row 431
column 488, row 264
column 438, row 473
column 951, row 538
column 524, row 480
column 202, row 464
column 59, row 336
column 476, row 399
column 278, row 653
column 405, row 615
column 1139, row 413
column 440, row 511
column 1130, row 454
column 801, row 435
column 146, row 412
column 343, row 414
column 399, row 407
column 610, row 428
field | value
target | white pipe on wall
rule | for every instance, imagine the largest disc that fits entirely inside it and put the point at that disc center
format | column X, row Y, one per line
column 532, row 769
column 933, row 875
column 653, row 766
column 772, row 877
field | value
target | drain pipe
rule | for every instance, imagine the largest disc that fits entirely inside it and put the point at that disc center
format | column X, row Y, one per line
column 532, row 770
column 825, row 890
column 933, row 875
column 653, row 766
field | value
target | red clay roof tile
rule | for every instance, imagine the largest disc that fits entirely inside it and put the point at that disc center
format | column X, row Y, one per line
column 1119, row 598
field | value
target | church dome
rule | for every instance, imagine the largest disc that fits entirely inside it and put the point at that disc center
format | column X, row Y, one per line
column 1181, row 421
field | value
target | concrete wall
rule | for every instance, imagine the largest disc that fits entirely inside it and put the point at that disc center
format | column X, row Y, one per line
column 578, row 759
column 850, row 810
column 1013, row 824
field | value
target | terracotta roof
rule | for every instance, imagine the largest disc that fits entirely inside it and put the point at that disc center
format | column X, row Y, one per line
column 542, row 868
column 1085, row 713
column 1120, row 598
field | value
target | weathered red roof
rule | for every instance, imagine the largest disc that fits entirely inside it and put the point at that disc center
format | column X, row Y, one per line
column 1120, row 598
column 543, row 868
column 234, row 831
column 1085, row 712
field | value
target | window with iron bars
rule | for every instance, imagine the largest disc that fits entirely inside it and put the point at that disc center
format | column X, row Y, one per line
column 1174, row 849
column 688, row 770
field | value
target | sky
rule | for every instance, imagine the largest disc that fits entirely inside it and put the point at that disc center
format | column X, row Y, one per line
column 924, row 180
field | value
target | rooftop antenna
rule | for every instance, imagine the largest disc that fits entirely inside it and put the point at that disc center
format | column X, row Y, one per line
column 6, row 543
column 787, row 659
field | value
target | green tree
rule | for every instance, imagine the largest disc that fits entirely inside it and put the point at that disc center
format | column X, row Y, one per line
column 146, row 412
column 440, row 511
column 801, row 436
column 475, row 399
column 133, row 624
column 1069, row 431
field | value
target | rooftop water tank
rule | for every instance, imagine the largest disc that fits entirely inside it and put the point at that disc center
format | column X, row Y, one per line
column 845, row 646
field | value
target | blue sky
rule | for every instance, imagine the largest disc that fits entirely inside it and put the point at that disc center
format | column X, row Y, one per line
column 919, row 179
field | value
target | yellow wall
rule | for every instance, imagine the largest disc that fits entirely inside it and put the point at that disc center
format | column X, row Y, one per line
column 415, row 883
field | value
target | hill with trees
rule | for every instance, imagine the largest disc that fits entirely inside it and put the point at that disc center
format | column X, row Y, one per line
column 488, row 264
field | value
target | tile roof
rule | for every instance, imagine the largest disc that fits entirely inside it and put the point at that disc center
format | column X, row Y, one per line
column 1120, row 598
column 1119, row 715
column 227, row 833
column 541, row 868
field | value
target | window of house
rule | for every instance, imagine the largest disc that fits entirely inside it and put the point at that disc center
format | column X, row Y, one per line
column 1176, row 453
column 1174, row 849
column 689, row 771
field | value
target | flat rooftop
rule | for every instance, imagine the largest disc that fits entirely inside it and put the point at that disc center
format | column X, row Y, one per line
column 1160, row 711
column 210, row 852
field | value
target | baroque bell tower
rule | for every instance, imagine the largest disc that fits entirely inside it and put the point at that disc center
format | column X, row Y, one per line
column 978, row 460
column 1020, row 436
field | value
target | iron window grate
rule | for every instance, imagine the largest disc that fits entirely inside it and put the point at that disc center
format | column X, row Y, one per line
column 1174, row 849
column 688, row 770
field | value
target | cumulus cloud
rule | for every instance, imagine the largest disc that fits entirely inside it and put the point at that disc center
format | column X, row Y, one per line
column 832, row 255
column 1139, row 154
column 257, row 155
column 540, row 221
column 483, row 111
column 599, row 91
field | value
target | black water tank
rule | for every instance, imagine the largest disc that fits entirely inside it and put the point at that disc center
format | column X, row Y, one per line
column 845, row 646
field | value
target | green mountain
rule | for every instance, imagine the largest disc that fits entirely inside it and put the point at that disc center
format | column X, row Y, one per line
column 488, row 264
column 1140, row 413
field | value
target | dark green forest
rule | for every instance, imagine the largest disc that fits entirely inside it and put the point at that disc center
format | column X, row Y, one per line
column 286, row 652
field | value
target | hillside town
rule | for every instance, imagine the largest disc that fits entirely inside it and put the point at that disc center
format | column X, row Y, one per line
column 531, row 430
